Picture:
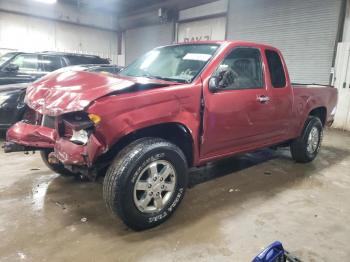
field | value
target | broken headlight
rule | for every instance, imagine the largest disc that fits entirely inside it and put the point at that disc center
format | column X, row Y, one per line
column 80, row 137
column 78, row 126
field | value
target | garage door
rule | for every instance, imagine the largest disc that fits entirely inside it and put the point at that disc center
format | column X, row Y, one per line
column 205, row 29
column 305, row 31
column 142, row 39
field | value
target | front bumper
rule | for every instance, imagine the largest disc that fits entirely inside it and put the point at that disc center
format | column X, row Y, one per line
column 69, row 153
column 32, row 136
column 25, row 137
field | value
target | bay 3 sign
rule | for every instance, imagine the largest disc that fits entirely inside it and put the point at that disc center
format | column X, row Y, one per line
column 202, row 30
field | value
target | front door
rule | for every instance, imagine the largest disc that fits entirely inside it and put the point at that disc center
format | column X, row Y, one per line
column 28, row 70
column 236, row 117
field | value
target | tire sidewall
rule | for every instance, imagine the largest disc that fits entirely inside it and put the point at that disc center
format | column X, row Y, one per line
column 129, row 177
column 314, row 122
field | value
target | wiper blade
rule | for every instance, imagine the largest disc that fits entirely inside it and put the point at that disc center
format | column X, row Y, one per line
column 168, row 79
column 147, row 75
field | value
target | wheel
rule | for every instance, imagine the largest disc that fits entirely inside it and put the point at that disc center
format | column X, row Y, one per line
column 305, row 148
column 146, row 182
column 57, row 168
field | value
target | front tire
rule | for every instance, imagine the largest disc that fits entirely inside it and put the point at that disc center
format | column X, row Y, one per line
column 305, row 148
column 57, row 168
column 146, row 182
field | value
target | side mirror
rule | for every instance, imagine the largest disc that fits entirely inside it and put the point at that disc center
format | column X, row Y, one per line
column 224, row 79
column 213, row 84
column 12, row 68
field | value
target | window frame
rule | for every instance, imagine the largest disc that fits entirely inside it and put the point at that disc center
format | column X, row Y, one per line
column 200, row 72
column 282, row 64
column 42, row 65
column 20, row 70
column 262, row 69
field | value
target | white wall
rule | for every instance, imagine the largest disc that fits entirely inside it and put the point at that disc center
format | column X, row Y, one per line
column 61, row 12
column 346, row 33
column 142, row 39
column 204, row 29
column 25, row 33
column 217, row 7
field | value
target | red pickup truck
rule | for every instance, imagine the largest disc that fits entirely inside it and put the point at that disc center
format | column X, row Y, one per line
column 175, row 107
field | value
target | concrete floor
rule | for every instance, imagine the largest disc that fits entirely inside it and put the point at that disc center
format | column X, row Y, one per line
column 232, row 209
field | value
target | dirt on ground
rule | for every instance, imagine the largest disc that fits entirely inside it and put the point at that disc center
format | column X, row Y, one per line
column 232, row 210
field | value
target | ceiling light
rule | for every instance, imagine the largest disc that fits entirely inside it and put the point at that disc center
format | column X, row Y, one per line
column 50, row 2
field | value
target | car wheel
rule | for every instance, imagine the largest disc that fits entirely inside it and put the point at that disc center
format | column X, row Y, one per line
column 146, row 182
column 57, row 168
column 305, row 148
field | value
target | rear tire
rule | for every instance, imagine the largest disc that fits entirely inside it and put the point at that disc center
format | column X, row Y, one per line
column 57, row 168
column 146, row 182
column 305, row 148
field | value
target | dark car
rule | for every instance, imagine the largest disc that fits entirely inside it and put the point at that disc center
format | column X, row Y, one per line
column 12, row 106
column 19, row 67
column 6, row 57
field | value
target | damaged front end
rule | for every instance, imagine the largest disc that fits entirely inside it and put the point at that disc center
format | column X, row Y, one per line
column 77, row 143
column 59, row 120
column 70, row 137
column 32, row 133
column 56, row 120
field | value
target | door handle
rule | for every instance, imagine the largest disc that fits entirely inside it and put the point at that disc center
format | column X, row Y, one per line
column 263, row 99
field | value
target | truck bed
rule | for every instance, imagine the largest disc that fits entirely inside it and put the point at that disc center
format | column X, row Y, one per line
column 313, row 96
column 313, row 85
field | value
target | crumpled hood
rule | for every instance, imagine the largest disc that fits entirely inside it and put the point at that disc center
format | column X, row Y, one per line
column 69, row 90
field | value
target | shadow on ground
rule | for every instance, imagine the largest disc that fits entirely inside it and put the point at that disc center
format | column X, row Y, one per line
column 224, row 185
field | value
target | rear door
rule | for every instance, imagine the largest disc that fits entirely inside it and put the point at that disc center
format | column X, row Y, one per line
column 49, row 63
column 238, row 117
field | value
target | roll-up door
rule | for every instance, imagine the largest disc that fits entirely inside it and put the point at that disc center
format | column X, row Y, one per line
column 305, row 31
column 142, row 39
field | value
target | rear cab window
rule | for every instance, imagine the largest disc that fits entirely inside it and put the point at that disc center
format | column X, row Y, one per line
column 277, row 74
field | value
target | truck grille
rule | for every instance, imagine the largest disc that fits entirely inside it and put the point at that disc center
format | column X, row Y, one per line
column 31, row 117
column 48, row 121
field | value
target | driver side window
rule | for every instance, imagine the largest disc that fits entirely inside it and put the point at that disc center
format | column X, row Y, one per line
column 26, row 62
column 241, row 69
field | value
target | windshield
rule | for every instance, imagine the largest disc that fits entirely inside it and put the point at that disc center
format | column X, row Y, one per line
column 178, row 63
column 4, row 58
